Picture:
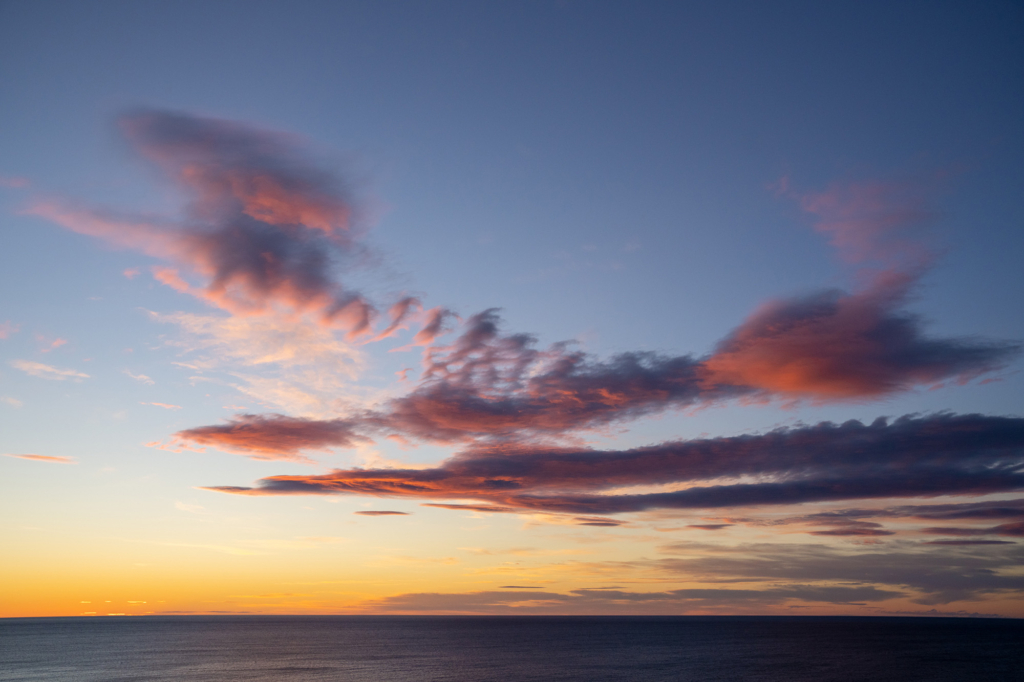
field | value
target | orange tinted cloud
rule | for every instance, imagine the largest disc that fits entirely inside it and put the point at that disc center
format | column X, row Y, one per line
column 263, row 230
column 838, row 346
column 487, row 386
column 234, row 168
column 272, row 436
column 491, row 384
column 834, row 345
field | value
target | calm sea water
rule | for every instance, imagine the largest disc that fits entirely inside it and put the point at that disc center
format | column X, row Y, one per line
column 482, row 649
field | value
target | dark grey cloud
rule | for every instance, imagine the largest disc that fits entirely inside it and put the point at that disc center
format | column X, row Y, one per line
column 940, row 454
column 605, row 602
column 1015, row 530
column 938, row 575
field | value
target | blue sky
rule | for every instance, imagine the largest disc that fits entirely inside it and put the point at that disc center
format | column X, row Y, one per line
column 633, row 177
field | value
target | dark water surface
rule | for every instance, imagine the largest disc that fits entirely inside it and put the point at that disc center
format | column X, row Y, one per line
column 510, row 649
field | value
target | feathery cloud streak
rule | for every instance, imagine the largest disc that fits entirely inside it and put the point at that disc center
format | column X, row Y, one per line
column 912, row 456
column 38, row 369
column 46, row 458
column 609, row 601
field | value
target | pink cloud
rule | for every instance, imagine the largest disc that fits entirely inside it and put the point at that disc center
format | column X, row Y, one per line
column 838, row 346
column 47, row 458
column 7, row 329
column 48, row 345
column 834, row 345
column 272, row 436
column 263, row 230
column 873, row 222
column 14, row 182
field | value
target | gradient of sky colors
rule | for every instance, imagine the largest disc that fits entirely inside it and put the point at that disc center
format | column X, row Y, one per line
column 540, row 307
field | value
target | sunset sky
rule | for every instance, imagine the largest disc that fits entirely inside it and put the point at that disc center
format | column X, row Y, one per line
column 511, row 308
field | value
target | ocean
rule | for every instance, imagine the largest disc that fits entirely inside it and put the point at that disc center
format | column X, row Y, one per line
column 510, row 649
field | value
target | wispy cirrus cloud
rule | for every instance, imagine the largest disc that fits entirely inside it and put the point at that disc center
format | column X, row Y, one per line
column 142, row 378
column 46, row 345
column 865, row 521
column 38, row 369
column 525, row 600
column 7, row 329
column 933, row 574
column 1014, row 530
column 46, row 458
column 749, row 574
column 303, row 369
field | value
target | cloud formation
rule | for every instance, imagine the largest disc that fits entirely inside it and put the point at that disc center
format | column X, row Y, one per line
column 273, row 436
column 38, row 369
column 487, row 386
column 46, row 458
column 139, row 377
column 300, row 369
column 491, row 384
column 263, row 229
column 835, row 345
column 838, row 346
column 936, row 575
column 525, row 600
column 266, row 230
column 941, row 454
column 6, row 329
column 1014, row 530
column 166, row 406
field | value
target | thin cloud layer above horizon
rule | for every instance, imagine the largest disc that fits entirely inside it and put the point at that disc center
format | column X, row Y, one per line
column 806, row 386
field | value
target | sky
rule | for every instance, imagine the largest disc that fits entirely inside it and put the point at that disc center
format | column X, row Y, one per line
column 511, row 308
